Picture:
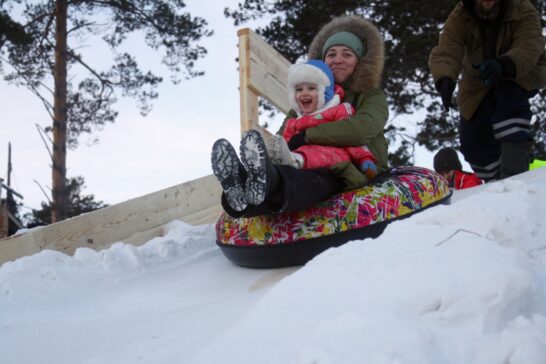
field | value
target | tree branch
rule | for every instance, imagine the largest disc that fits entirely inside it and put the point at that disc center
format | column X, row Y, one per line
column 33, row 89
column 43, row 191
column 128, row 7
column 38, row 18
column 79, row 59
column 47, row 28
column 42, row 132
column 83, row 25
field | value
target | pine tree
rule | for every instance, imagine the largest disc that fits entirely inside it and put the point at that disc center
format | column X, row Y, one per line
column 53, row 33
column 77, row 203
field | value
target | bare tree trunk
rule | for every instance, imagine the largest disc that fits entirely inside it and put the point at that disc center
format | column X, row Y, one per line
column 58, row 208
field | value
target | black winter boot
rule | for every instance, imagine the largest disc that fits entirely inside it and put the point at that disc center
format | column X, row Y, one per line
column 230, row 172
column 263, row 179
column 514, row 158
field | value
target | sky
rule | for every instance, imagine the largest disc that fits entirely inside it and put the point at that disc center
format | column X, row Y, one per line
column 458, row 283
column 139, row 155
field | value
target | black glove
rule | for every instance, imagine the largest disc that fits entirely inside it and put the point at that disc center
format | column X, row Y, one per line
column 490, row 71
column 297, row 141
column 445, row 86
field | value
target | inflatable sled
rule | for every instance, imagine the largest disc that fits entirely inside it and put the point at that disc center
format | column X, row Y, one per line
column 293, row 238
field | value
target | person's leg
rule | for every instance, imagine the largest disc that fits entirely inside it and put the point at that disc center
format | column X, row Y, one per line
column 321, row 156
column 511, row 126
column 478, row 144
column 279, row 188
column 303, row 188
column 298, row 189
column 279, row 152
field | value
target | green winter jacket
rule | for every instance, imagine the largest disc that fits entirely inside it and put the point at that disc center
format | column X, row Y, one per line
column 519, row 38
column 366, row 126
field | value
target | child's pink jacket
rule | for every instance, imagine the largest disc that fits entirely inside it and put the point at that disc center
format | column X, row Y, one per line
column 317, row 156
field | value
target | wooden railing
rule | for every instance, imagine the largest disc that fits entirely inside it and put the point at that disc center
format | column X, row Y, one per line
column 262, row 74
column 134, row 221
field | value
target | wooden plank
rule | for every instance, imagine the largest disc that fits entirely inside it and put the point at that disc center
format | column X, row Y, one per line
column 3, row 219
column 205, row 216
column 268, row 72
column 264, row 83
column 196, row 201
column 263, row 53
column 248, row 98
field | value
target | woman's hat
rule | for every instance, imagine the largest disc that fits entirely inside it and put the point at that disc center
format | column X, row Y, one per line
column 311, row 71
column 346, row 39
column 447, row 160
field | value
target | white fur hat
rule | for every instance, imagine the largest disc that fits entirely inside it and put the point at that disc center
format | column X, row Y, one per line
column 311, row 71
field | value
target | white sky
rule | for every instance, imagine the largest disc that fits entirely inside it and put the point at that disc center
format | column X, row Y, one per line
column 138, row 155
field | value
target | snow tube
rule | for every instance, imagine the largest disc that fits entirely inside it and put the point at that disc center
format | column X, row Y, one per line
column 293, row 238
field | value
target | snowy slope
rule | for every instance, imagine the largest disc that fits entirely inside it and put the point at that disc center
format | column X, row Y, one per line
column 464, row 283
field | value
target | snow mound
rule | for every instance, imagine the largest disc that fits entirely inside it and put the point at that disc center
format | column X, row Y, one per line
column 453, row 284
column 51, row 273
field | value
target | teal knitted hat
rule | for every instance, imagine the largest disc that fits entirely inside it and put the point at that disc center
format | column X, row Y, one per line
column 345, row 39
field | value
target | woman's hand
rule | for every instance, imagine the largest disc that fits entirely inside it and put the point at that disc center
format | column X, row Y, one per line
column 297, row 141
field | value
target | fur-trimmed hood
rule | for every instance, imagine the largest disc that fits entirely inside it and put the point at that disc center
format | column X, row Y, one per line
column 369, row 71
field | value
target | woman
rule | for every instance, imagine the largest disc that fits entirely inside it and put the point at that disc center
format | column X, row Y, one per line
column 353, row 49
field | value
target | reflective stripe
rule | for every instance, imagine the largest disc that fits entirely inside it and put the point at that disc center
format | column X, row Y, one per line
column 511, row 121
column 461, row 182
column 486, row 175
column 487, row 167
column 513, row 130
column 486, row 172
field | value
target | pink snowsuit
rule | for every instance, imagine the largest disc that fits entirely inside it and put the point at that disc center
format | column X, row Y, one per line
column 317, row 156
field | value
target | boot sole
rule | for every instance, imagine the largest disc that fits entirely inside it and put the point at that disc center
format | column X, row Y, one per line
column 225, row 166
column 254, row 158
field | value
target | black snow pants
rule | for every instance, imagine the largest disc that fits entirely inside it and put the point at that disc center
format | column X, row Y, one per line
column 504, row 115
column 299, row 189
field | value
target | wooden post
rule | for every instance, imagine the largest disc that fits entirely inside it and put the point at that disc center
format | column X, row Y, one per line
column 3, row 219
column 3, row 213
column 248, row 98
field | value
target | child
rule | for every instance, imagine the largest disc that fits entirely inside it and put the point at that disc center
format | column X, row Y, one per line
column 316, row 99
column 446, row 162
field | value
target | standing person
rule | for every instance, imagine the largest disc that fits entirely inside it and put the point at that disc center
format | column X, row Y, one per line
column 353, row 49
column 447, row 163
column 315, row 97
column 499, row 46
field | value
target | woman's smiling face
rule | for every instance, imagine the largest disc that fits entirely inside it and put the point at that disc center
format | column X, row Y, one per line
column 342, row 61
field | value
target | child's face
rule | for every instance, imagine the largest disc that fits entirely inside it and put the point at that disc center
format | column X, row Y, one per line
column 307, row 97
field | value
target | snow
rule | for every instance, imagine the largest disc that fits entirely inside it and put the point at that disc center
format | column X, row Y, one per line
column 459, row 283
